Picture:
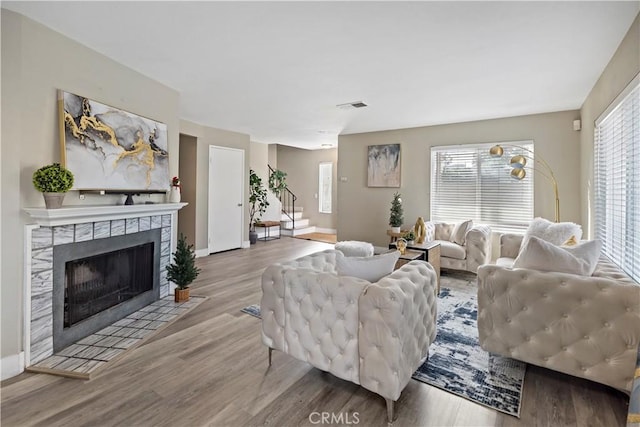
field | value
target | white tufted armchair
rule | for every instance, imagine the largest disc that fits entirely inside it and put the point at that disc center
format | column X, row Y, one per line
column 586, row 326
column 475, row 252
column 372, row 334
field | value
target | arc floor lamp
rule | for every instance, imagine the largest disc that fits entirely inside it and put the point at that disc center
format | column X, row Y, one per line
column 519, row 161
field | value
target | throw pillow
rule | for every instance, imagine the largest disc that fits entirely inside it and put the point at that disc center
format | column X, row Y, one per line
column 460, row 232
column 552, row 232
column 541, row 255
column 371, row 268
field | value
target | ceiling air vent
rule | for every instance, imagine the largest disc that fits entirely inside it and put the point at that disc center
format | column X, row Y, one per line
column 351, row 105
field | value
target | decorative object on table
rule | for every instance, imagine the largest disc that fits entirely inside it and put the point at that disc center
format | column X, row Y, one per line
column 401, row 244
column 257, row 203
column 111, row 149
column 183, row 270
column 409, row 236
column 53, row 181
column 420, row 230
column 174, row 194
column 457, row 363
column 518, row 163
column 396, row 214
column 277, row 181
column 383, row 168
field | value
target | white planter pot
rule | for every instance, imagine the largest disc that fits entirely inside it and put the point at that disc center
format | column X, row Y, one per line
column 394, row 229
column 174, row 195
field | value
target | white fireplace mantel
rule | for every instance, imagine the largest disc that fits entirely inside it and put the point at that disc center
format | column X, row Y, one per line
column 85, row 213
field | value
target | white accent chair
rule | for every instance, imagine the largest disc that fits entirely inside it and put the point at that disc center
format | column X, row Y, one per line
column 475, row 252
column 372, row 334
column 585, row 326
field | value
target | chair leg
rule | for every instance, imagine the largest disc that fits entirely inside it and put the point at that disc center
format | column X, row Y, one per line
column 270, row 351
column 390, row 407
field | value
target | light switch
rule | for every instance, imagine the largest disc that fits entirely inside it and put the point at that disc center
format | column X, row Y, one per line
column 343, row 179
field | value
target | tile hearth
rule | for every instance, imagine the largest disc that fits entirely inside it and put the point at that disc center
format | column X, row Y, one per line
column 85, row 357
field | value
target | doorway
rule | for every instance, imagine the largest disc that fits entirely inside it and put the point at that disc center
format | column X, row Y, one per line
column 226, row 198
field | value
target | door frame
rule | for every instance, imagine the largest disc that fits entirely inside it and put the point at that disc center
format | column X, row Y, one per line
column 210, row 194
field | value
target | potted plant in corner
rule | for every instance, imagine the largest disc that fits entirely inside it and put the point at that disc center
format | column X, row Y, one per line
column 183, row 270
column 257, row 203
column 53, row 181
column 396, row 216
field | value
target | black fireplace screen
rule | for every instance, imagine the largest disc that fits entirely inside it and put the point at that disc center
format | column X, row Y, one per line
column 97, row 283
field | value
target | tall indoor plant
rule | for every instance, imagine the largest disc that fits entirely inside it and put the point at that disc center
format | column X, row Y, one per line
column 182, row 271
column 257, row 203
column 53, row 181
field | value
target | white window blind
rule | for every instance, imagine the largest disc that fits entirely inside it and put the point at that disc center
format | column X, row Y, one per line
column 617, row 180
column 467, row 183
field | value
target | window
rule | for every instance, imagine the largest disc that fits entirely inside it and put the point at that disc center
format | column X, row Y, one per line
column 467, row 183
column 325, row 181
column 617, row 180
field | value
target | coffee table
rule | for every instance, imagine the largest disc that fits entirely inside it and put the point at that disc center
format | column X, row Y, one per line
column 431, row 252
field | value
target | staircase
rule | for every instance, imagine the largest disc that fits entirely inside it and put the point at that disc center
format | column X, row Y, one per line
column 291, row 221
column 293, row 224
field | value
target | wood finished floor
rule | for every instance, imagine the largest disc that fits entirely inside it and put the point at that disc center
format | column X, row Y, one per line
column 210, row 368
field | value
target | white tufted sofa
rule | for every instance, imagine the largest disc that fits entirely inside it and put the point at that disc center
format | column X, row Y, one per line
column 475, row 252
column 586, row 326
column 372, row 334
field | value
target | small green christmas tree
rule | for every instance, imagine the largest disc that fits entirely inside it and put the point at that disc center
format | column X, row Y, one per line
column 397, row 214
column 183, row 270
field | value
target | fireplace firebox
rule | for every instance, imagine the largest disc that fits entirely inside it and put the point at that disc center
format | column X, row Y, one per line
column 101, row 281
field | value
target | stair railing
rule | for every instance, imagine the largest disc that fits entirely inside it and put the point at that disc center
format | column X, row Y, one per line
column 288, row 202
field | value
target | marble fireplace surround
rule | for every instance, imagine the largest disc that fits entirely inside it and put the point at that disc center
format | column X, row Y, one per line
column 80, row 224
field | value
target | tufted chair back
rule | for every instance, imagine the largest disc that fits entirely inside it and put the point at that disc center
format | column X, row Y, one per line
column 373, row 334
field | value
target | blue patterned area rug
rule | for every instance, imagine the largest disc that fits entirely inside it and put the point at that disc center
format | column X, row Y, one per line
column 457, row 363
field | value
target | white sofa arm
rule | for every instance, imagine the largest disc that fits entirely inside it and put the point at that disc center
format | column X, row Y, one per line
column 478, row 244
column 584, row 326
column 272, row 304
column 510, row 245
column 397, row 325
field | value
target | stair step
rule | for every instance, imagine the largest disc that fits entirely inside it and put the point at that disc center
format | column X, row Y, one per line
column 296, row 215
column 300, row 223
column 298, row 231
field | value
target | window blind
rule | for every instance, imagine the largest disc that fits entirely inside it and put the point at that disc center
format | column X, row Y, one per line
column 617, row 180
column 467, row 183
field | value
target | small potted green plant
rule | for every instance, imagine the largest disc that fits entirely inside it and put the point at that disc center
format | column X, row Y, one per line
column 409, row 236
column 396, row 216
column 182, row 271
column 53, row 181
column 258, row 203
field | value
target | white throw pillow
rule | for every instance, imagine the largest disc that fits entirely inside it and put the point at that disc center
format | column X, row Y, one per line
column 371, row 268
column 541, row 255
column 552, row 232
column 460, row 231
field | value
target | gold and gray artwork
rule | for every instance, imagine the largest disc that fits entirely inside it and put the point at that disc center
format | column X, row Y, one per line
column 110, row 149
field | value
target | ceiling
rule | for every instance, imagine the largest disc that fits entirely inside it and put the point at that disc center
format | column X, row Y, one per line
column 277, row 70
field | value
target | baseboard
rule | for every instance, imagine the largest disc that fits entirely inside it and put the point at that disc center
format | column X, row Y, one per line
column 246, row 244
column 202, row 252
column 11, row 366
column 326, row 230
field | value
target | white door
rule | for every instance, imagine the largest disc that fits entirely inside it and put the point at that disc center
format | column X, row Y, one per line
column 226, row 198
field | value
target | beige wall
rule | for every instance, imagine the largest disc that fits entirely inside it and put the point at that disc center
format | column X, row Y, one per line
column 302, row 168
column 622, row 68
column 364, row 212
column 37, row 61
column 259, row 162
column 188, row 181
column 207, row 137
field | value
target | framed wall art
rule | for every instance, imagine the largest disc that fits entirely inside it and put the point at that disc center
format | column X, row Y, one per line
column 111, row 149
column 383, row 167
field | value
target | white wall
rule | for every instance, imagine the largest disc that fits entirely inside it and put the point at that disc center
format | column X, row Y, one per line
column 259, row 162
column 36, row 62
